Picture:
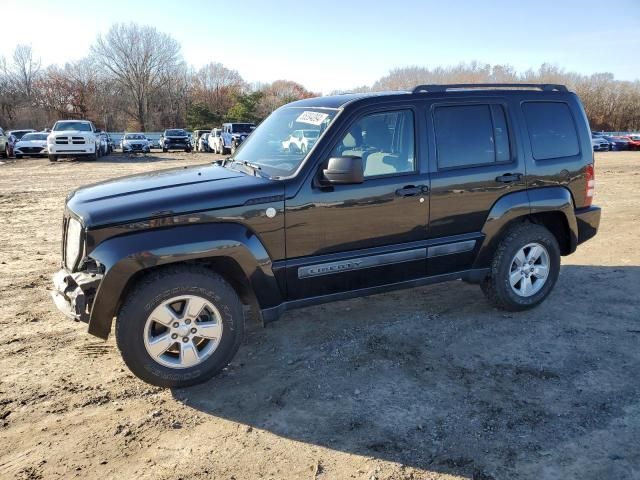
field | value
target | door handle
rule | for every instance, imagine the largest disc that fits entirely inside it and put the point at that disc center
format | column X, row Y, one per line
column 411, row 190
column 509, row 178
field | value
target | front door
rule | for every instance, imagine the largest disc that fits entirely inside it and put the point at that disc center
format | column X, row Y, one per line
column 348, row 237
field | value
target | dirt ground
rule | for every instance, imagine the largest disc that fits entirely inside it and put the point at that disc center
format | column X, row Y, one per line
column 429, row 383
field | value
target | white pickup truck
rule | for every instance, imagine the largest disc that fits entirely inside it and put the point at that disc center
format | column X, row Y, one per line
column 73, row 138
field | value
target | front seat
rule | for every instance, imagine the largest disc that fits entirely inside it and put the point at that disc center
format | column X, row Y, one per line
column 379, row 139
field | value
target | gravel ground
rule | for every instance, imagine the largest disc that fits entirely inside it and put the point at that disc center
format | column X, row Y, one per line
column 429, row 383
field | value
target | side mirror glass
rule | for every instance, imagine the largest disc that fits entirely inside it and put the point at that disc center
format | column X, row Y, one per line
column 344, row 170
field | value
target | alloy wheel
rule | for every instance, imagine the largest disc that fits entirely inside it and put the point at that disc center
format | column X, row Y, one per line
column 183, row 331
column 529, row 269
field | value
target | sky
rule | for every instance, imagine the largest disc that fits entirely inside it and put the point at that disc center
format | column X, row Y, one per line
column 335, row 45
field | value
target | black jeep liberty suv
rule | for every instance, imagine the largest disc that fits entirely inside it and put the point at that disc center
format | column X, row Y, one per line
column 486, row 183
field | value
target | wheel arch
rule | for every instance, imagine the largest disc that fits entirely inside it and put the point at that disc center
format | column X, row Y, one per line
column 231, row 250
column 551, row 207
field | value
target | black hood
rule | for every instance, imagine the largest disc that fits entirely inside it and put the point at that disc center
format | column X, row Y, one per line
column 168, row 192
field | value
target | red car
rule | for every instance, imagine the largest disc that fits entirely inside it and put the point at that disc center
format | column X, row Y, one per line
column 634, row 142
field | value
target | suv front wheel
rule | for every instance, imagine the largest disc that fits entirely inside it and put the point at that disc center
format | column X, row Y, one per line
column 524, row 269
column 180, row 326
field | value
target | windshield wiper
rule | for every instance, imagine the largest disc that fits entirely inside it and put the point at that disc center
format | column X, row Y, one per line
column 253, row 168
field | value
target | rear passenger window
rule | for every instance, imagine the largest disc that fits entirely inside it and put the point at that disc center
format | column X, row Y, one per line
column 552, row 130
column 471, row 135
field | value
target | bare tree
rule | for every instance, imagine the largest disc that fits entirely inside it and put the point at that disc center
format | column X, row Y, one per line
column 25, row 70
column 141, row 59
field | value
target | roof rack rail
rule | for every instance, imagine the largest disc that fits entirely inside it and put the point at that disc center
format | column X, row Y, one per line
column 545, row 87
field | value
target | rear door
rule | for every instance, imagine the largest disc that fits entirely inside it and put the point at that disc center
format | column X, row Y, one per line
column 474, row 160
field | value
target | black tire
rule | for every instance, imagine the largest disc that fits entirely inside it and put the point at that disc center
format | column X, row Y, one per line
column 53, row 158
column 163, row 285
column 164, row 150
column 18, row 156
column 497, row 287
column 5, row 153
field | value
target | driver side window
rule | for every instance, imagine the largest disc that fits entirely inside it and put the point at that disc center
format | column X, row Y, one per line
column 384, row 141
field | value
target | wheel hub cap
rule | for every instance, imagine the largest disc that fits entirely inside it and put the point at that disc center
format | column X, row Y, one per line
column 183, row 331
column 529, row 269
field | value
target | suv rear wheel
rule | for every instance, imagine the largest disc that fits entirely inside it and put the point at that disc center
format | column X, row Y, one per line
column 180, row 327
column 524, row 269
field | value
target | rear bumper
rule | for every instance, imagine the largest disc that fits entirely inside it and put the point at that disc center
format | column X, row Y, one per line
column 588, row 220
column 73, row 293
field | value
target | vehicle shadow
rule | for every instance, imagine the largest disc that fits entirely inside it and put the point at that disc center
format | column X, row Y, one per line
column 435, row 378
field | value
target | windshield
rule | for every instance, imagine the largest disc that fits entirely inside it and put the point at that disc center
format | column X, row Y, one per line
column 242, row 127
column 78, row 126
column 273, row 145
column 18, row 133
column 175, row 133
column 34, row 136
column 134, row 136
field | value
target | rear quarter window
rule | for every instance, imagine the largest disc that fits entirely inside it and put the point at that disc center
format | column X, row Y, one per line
column 552, row 130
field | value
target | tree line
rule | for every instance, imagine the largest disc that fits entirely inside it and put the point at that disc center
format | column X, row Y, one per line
column 135, row 78
column 610, row 104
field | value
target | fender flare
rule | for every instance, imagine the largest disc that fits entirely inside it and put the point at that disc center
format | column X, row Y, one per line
column 127, row 255
column 521, row 204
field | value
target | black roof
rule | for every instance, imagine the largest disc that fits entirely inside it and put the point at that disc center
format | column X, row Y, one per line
column 339, row 101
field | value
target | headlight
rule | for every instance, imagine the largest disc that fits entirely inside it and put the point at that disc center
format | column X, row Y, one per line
column 50, row 140
column 72, row 244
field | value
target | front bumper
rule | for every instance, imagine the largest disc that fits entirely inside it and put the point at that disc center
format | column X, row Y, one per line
column 71, row 150
column 135, row 148
column 34, row 151
column 176, row 146
column 73, row 293
column 588, row 220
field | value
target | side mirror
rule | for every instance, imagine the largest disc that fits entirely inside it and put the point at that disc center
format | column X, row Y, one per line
column 344, row 170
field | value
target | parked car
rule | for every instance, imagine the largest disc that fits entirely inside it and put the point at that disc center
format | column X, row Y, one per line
column 19, row 133
column 197, row 134
column 214, row 140
column 4, row 144
column 203, row 142
column 73, row 138
column 154, row 141
column 134, row 143
column 300, row 140
column 617, row 143
column 175, row 139
column 32, row 145
column 599, row 144
column 634, row 142
column 232, row 135
column 367, row 210
column 105, row 145
column 11, row 145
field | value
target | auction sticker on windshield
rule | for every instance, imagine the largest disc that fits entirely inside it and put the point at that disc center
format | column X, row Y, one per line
column 312, row 118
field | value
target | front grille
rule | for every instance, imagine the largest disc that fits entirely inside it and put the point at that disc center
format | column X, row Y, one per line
column 62, row 140
column 78, row 140
column 31, row 149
